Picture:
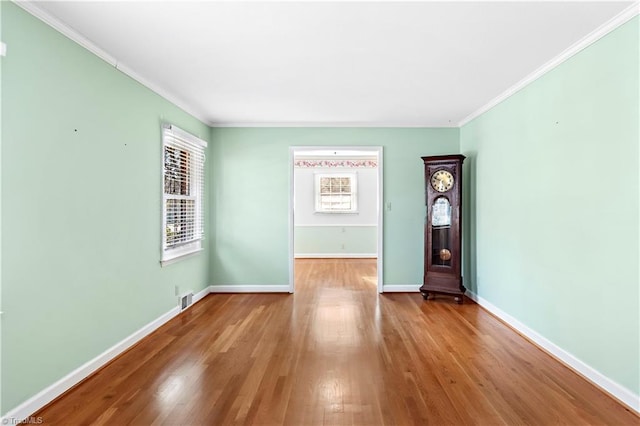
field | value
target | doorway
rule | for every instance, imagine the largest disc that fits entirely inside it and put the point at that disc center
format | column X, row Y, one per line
column 331, row 179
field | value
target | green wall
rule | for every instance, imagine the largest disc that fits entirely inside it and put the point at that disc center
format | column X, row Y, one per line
column 336, row 240
column 250, row 197
column 1, row 61
column 80, row 191
column 81, row 197
column 553, row 187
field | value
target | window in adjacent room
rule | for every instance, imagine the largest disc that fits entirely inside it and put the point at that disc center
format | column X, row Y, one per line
column 336, row 193
column 183, row 193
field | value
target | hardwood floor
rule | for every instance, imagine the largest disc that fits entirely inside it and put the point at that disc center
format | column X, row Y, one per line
column 335, row 353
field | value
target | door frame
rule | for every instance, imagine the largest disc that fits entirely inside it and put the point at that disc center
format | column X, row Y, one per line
column 380, row 203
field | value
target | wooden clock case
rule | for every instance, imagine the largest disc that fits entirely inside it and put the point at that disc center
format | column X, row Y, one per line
column 442, row 231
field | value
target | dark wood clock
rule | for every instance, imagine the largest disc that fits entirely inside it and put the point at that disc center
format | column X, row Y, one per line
column 443, row 227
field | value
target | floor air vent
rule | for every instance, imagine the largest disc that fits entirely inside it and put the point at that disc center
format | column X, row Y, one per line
column 186, row 301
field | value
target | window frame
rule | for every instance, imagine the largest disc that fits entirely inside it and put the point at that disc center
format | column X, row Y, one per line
column 178, row 139
column 353, row 176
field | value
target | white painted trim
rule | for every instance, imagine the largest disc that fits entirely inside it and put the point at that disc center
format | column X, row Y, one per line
column 72, row 34
column 336, row 226
column 586, row 41
column 336, row 256
column 292, row 220
column 65, row 30
column 51, row 392
column 408, row 288
column 352, row 175
column 380, row 216
column 617, row 391
column 380, row 210
column 249, row 288
column 340, row 124
column 201, row 295
column 175, row 133
column 45, row 396
column 177, row 258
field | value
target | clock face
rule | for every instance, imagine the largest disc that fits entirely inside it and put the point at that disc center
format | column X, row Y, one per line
column 442, row 181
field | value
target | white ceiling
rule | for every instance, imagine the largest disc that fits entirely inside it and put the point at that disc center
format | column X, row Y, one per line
column 330, row 63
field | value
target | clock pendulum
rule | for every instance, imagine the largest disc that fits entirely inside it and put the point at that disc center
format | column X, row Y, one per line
column 445, row 254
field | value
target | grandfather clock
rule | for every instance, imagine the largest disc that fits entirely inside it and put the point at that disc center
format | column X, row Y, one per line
column 443, row 227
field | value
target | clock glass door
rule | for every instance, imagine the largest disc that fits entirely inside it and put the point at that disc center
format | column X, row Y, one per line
column 441, row 232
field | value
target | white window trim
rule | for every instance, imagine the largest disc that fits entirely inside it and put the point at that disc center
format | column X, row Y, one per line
column 354, row 192
column 171, row 255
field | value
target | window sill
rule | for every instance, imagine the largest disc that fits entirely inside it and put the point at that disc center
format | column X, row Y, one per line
column 337, row 212
column 178, row 257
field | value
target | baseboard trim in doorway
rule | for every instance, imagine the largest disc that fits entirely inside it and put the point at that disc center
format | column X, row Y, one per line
column 336, row 256
column 617, row 391
column 51, row 392
column 249, row 288
column 404, row 288
column 201, row 294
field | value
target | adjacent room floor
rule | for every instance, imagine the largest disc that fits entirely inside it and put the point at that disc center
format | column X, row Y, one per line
column 335, row 353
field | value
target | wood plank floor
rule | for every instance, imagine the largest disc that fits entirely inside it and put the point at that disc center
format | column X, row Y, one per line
column 335, row 353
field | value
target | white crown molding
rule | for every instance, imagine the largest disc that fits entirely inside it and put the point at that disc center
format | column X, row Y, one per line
column 64, row 29
column 72, row 34
column 164, row 94
column 29, row 6
column 339, row 124
column 617, row 391
column 621, row 18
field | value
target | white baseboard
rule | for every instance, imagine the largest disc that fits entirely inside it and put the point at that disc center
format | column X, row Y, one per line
column 42, row 398
column 48, row 394
column 617, row 391
column 335, row 256
column 409, row 288
column 249, row 288
column 45, row 396
column 201, row 294
column 333, row 225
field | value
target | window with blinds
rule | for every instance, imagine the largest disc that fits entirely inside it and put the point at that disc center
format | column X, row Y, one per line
column 183, row 193
column 336, row 193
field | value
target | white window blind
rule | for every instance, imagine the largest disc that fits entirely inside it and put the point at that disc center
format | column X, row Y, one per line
column 183, row 193
column 336, row 193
